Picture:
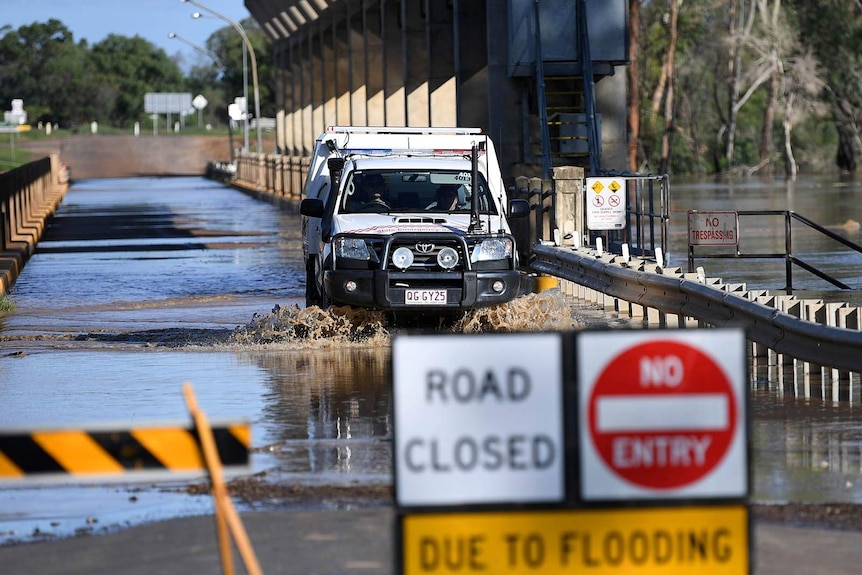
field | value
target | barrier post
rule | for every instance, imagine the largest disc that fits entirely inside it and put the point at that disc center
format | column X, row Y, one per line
column 225, row 512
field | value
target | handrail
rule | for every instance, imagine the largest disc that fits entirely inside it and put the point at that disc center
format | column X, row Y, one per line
column 787, row 256
column 541, row 96
column 594, row 141
column 672, row 293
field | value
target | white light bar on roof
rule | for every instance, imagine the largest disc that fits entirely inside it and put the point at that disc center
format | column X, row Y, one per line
column 407, row 151
column 401, row 130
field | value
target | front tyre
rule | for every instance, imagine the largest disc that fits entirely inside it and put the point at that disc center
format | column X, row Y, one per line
column 312, row 288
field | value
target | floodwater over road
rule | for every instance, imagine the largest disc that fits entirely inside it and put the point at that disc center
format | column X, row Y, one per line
column 186, row 280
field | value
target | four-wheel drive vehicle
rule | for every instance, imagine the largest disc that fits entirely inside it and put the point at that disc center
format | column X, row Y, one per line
column 408, row 219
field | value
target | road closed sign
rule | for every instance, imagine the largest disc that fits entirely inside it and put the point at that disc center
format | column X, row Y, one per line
column 478, row 419
column 662, row 414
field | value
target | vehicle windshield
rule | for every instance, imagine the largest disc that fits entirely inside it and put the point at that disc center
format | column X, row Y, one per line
column 394, row 191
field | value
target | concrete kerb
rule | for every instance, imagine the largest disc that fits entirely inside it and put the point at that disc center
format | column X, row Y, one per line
column 26, row 211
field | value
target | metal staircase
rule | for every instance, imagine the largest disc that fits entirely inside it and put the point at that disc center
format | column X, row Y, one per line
column 569, row 125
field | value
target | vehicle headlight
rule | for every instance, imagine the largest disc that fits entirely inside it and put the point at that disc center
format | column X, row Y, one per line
column 402, row 258
column 447, row 258
column 351, row 248
column 492, row 249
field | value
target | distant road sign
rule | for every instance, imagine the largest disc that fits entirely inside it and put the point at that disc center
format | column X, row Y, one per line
column 713, row 228
column 663, row 417
column 167, row 102
column 478, row 419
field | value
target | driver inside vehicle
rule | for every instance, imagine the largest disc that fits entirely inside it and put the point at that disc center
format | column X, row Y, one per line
column 447, row 198
column 375, row 188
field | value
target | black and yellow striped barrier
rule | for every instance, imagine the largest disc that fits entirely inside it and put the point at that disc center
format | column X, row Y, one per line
column 81, row 453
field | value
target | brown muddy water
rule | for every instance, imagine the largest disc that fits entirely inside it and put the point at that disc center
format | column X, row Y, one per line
column 143, row 284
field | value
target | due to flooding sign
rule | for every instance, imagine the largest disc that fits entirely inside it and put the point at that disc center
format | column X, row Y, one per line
column 662, row 418
column 478, row 420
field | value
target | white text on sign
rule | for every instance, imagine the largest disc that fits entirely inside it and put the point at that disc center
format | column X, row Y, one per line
column 660, row 414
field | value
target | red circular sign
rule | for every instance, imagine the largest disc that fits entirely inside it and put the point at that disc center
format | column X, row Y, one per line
column 662, row 414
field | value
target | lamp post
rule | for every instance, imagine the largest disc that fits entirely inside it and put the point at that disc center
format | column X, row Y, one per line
column 248, row 45
column 202, row 50
column 220, row 66
column 245, row 113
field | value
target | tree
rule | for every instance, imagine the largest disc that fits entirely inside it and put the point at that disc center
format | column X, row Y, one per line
column 131, row 67
column 833, row 30
column 42, row 65
column 227, row 44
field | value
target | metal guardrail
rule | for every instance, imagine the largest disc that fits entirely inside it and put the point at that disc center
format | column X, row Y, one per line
column 788, row 256
column 671, row 292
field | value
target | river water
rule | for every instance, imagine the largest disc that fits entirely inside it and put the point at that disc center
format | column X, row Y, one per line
column 189, row 281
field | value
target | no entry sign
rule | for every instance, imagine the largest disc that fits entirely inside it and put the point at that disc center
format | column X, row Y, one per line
column 663, row 416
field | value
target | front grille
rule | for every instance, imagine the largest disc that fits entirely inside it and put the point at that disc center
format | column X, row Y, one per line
column 425, row 253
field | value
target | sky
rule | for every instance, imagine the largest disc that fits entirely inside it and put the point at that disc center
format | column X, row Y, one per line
column 153, row 20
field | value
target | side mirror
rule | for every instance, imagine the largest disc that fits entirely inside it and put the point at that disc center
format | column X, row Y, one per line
column 519, row 208
column 311, row 207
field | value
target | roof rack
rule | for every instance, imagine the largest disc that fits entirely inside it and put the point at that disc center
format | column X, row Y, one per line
column 402, row 130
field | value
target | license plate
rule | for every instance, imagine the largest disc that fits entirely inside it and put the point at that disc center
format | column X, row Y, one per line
column 425, row 297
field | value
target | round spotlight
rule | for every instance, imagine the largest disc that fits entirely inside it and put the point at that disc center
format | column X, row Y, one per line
column 402, row 258
column 447, row 258
column 350, row 286
column 498, row 286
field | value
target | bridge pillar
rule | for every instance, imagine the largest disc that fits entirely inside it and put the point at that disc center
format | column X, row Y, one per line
column 441, row 73
column 394, row 81
column 415, row 62
column 375, row 105
column 356, row 49
column 472, row 60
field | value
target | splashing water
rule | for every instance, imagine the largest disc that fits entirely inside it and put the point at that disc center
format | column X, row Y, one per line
column 343, row 324
column 543, row 311
column 337, row 324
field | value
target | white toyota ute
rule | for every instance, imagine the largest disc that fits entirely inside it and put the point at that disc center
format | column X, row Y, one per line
column 408, row 219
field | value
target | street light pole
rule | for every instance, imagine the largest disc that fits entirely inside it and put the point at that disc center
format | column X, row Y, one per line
column 251, row 53
column 220, row 66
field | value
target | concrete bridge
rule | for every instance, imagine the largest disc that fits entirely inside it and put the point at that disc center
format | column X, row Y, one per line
column 546, row 80
column 112, row 156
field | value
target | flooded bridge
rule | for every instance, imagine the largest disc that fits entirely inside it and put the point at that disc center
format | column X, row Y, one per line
column 141, row 284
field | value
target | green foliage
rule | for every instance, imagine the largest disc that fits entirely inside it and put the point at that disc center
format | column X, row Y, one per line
column 818, row 48
column 73, row 84
column 6, row 303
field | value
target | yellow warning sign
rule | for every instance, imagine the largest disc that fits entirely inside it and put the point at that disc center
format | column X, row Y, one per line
column 614, row 186
column 598, row 187
column 684, row 540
